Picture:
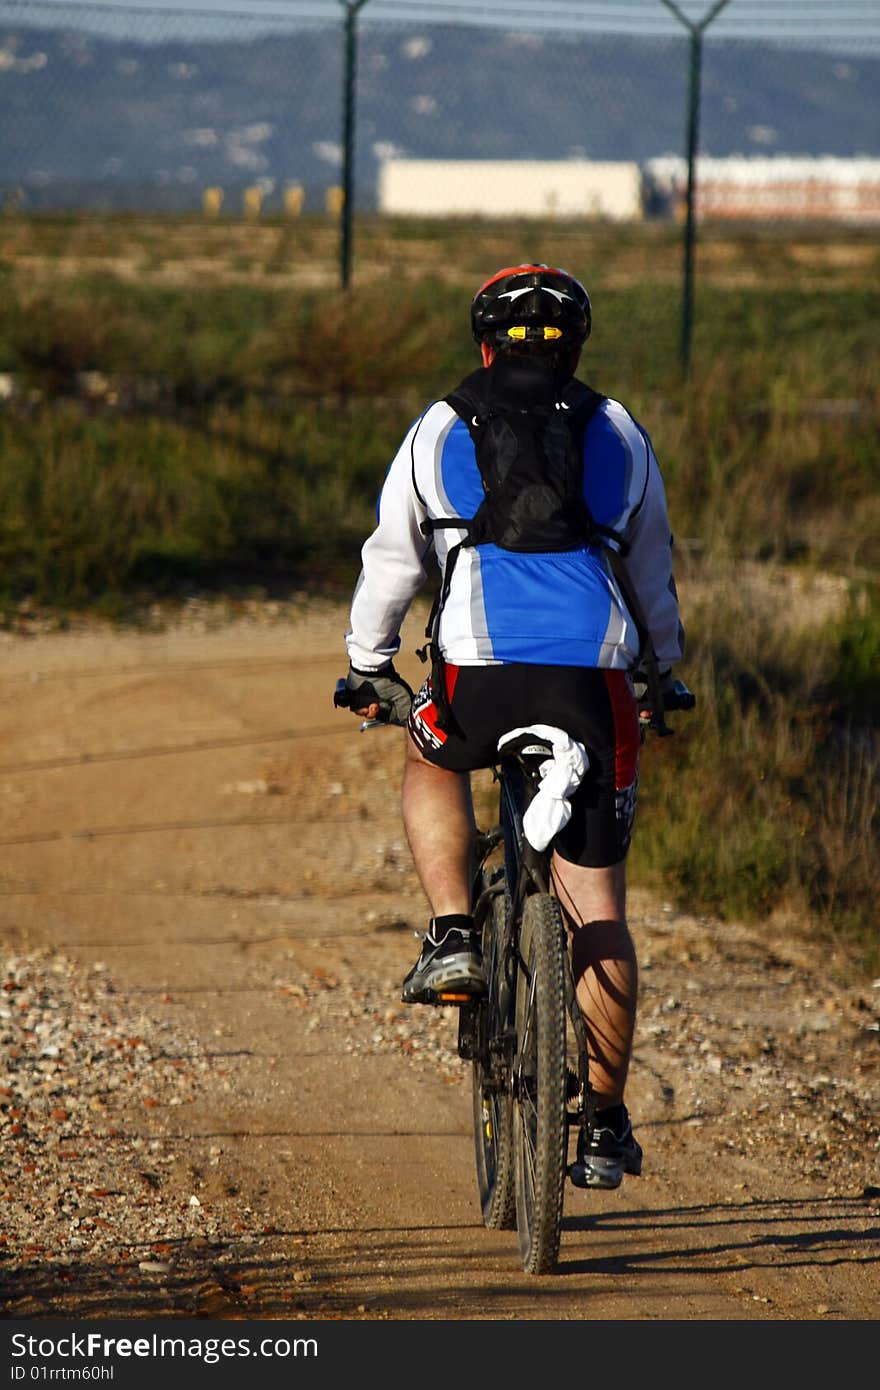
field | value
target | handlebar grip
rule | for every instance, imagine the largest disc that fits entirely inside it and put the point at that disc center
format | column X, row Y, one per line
column 679, row 697
column 343, row 698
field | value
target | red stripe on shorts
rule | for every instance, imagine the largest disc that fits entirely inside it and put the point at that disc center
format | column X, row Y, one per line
column 627, row 740
column 429, row 714
column 451, row 678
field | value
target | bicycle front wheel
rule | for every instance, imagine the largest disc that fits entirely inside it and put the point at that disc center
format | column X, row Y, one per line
column 540, row 1120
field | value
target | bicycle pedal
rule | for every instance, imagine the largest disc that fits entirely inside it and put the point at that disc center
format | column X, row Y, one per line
column 442, row 996
column 468, row 1042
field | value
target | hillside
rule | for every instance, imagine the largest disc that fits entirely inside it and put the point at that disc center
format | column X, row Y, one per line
column 127, row 123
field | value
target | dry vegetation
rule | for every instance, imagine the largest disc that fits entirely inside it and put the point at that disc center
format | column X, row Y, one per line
column 192, row 406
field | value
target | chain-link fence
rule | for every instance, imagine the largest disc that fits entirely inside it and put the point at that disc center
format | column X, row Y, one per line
column 129, row 106
column 610, row 111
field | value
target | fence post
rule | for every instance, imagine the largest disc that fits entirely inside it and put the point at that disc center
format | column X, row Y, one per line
column 696, row 32
column 348, row 87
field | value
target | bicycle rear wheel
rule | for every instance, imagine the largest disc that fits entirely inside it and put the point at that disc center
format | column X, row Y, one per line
column 492, row 1100
column 540, row 1121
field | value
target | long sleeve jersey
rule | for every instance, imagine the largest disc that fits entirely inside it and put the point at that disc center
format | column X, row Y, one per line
column 561, row 608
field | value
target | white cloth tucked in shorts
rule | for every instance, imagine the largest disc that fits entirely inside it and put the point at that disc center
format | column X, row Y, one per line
column 550, row 808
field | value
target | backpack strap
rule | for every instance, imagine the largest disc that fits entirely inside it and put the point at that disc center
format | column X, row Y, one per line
column 582, row 402
column 445, row 717
column 468, row 403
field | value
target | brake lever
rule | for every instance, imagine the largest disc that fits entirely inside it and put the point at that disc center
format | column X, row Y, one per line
column 678, row 700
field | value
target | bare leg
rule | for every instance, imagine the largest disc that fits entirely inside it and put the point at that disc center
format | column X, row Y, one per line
column 439, row 821
column 604, row 967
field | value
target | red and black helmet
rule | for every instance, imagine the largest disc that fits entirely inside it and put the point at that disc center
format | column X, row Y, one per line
column 531, row 303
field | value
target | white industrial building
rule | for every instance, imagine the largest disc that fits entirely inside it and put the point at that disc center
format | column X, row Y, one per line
column 745, row 187
column 510, row 187
column 772, row 187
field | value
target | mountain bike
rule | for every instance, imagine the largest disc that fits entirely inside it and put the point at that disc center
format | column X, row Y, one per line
column 525, row 1038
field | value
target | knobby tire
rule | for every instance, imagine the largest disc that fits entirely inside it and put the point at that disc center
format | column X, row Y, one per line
column 540, row 1123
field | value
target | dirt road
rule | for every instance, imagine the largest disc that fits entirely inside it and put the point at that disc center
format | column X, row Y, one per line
column 214, row 1104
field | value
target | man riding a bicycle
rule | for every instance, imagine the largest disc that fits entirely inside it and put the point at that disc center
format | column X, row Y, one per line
column 526, row 636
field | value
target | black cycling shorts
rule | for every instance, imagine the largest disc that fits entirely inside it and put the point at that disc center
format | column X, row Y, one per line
column 595, row 707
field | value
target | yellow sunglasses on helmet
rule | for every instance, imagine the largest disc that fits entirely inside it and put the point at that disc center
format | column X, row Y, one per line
column 520, row 332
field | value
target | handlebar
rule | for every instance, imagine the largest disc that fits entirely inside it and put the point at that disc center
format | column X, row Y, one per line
column 677, row 698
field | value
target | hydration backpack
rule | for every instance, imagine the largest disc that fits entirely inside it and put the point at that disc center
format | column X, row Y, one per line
column 528, row 433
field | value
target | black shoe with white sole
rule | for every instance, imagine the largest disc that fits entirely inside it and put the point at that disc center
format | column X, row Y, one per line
column 606, row 1150
column 450, row 965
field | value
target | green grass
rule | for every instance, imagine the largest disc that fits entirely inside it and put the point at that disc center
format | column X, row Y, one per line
column 766, row 799
column 769, row 451
column 242, row 425
column 97, row 507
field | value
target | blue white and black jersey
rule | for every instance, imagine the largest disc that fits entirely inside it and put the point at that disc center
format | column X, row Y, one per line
column 561, row 608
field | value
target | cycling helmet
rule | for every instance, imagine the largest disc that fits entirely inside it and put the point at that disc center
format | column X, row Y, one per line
column 531, row 303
